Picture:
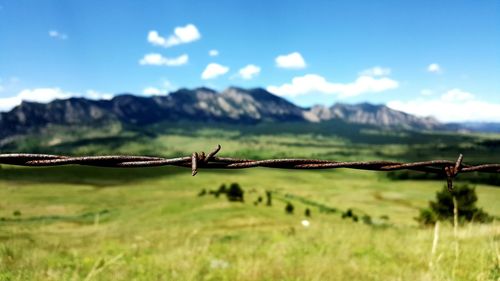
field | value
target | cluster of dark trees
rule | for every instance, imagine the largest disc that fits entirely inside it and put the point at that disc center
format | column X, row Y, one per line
column 475, row 177
column 349, row 214
column 234, row 192
column 269, row 199
column 289, row 208
column 443, row 208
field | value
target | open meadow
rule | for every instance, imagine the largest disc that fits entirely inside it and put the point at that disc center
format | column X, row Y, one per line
column 252, row 107
column 86, row 223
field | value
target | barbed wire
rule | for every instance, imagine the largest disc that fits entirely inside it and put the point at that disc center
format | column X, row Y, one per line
column 450, row 169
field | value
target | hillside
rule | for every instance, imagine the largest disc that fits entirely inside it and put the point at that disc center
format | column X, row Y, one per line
column 231, row 106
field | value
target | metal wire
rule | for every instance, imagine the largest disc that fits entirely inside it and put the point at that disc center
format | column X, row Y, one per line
column 199, row 160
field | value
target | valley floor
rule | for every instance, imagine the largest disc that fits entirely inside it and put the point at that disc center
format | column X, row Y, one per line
column 110, row 227
column 84, row 223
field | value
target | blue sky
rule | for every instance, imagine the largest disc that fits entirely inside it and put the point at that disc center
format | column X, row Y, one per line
column 435, row 58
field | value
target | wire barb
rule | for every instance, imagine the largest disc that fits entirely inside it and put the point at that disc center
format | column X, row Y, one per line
column 452, row 172
column 194, row 164
column 212, row 154
column 197, row 160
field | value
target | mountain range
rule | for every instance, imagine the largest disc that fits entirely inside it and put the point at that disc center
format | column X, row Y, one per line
column 233, row 105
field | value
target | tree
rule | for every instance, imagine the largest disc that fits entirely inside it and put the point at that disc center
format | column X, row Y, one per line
column 442, row 208
column 269, row 198
column 289, row 208
column 307, row 212
column 235, row 193
column 350, row 214
column 222, row 189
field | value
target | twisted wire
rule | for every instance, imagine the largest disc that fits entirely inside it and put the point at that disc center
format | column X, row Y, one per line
column 201, row 160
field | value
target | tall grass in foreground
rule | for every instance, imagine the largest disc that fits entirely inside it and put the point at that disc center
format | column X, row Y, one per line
column 255, row 249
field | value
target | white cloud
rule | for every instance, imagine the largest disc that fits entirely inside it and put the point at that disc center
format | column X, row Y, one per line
column 434, row 68
column 376, row 71
column 453, row 106
column 95, row 95
column 292, row 61
column 155, row 38
column 313, row 83
column 58, row 35
column 166, row 87
column 213, row 70
column 182, row 35
column 152, row 91
column 35, row 95
column 213, row 53
column 158, row 59
column 44, row 95
column 248, row 72
column 457, row 95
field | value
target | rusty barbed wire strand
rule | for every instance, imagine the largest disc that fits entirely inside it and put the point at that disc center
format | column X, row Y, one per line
column 450, row 169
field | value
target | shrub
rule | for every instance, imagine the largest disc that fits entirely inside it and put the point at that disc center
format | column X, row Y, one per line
column 427, row 216
column 367, row 219
column 289, row 208
column 307, row 212
column 202, row 192
column 350, row 214
column 347, row 214
column 16, row 213
column 269, row 198
column 235, row 193
column 442, row 208
column 222, row 189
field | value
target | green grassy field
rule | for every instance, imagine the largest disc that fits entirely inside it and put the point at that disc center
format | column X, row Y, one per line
column 84, row 223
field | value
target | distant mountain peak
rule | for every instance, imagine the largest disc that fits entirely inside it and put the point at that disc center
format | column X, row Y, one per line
column 205, row 89
column 233, row 105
